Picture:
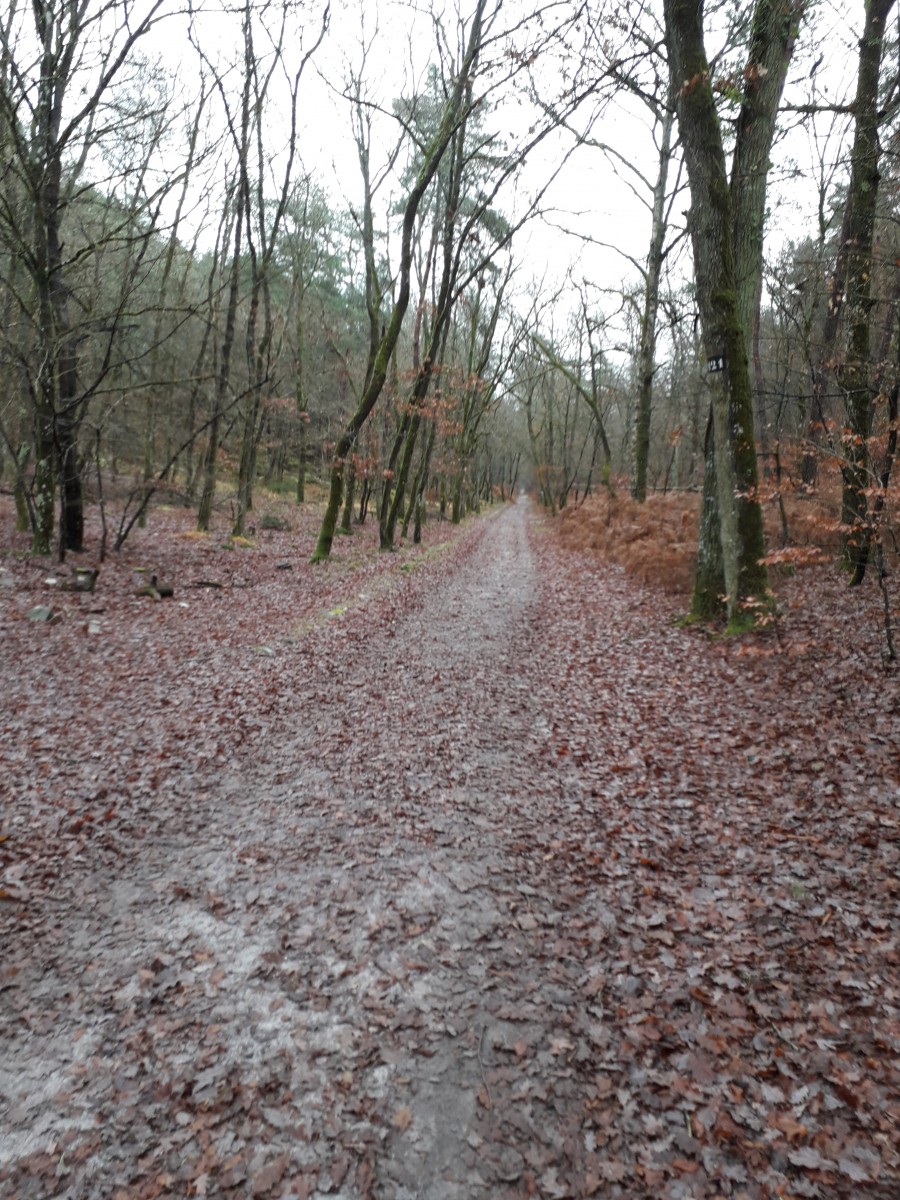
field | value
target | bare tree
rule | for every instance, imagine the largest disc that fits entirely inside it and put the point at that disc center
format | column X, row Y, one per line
column 857, row 234
column 63, row 60
column 258, row 217
column 508, row 52
column 432, row 154
column 727, row 220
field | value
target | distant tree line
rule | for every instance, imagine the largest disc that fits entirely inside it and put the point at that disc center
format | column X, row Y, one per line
column 184, row 303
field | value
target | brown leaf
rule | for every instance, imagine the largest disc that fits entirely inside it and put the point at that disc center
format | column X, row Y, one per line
column 687, row 1165
column 263, row 1181
column 402, row 1118
column 339, row 1170
column 595, row 984
column 725, row 1129
column 789, row 1125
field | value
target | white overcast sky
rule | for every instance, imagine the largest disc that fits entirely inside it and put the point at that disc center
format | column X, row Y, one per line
column 590, row 195
column 596, row 196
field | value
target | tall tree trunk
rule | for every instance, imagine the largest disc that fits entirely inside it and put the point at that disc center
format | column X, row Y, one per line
column 50, row 133
column 399, row 490
column 710, row 572
column 60, row 419
column 350, row 490
column 433, row 155
column 390, row 475
column 417, row 492
column 647, row 355
column 772, row 39
column 855, row 371
column 725, row 341
column 57, row 446
column 223, row 376
column 71, row 521
column 255, row 353
column 424, row 368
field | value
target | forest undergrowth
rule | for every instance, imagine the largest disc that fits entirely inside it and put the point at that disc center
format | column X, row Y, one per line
column 656, row 542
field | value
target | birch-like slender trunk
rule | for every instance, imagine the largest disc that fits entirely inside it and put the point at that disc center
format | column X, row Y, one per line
column 388, row 340
column 223, row 375
column 647, row 354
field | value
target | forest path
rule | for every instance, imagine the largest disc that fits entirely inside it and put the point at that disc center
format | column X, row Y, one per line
column 336, row 939
column 477, row 920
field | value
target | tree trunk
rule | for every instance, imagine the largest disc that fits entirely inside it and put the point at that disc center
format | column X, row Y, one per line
column 709, row 577
column 854, row 373
column 390, row 476
column 364, row 495
column 712, row 233
column 58, row 415
column 772, row 39
column 647, row 356
column 433, row 155
column 457, row 510
column 223, row 375
column 399, row 491
column 350, row 488
column 417, row 493
column 71, row 489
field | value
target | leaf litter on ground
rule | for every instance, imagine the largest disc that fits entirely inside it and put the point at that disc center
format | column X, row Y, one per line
column 491, row 883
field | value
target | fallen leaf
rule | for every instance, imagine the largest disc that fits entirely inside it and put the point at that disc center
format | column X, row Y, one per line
column 809, row 1157
column 402, row 1118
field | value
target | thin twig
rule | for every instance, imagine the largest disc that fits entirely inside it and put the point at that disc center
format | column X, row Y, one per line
column 787, row 1041
column 487, row 1090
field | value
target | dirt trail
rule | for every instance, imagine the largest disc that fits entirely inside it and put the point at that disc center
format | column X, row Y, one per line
column 332, row 945
column 457, row 931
